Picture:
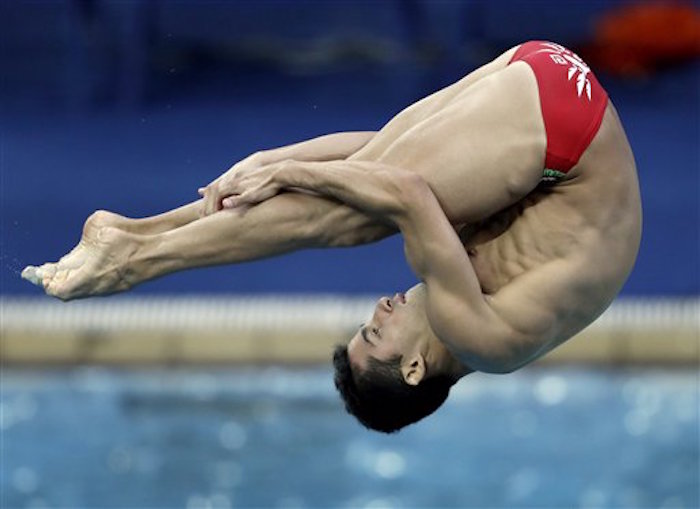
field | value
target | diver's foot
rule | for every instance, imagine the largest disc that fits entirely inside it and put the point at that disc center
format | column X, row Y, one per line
column 98, row 265
column 101, row 218
column 76, row 257
column 142, row 226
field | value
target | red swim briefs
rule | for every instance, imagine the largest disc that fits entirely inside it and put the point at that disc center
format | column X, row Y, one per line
column 572, row 100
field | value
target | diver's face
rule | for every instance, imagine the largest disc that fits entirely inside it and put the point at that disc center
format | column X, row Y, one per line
column 393, row 329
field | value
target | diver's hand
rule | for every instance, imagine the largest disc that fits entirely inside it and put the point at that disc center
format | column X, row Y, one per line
column 250, row 187
column 222, row 187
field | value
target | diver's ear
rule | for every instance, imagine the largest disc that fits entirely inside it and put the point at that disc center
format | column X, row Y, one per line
column 413, row 371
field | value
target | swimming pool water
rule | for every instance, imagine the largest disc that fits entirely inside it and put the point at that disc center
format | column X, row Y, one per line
column 273, row 437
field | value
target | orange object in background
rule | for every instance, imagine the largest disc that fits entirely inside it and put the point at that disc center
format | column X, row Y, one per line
column 638, row 39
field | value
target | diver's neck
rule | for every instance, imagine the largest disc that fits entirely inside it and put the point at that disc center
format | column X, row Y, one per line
column 441, row 361
column 438, row 358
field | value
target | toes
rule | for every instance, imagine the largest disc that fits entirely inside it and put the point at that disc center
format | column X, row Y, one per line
column 70, row 284
column 30, row 274
column 58, row 286
column 48, row 270
column 49, row 277
column 40, row 276
column 56, row 290
column 60, row 276
column 50, row 288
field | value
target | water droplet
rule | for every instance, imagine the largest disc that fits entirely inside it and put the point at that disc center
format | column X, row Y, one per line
column 592, row 498
column 120, row 460
column 197, row 501
column 25, row 480
column 219, row 501
column 215, row 501
column 636, row 423
column 232, row 436
column 551, row 390
column 382, row 503
column 203, row 388
column 522, row 484
column 389, row 465
column 647, row 399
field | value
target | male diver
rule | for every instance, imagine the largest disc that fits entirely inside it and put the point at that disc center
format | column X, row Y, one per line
column 516, row 193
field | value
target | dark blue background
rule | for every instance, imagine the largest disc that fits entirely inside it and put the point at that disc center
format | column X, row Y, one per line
column 130, row 106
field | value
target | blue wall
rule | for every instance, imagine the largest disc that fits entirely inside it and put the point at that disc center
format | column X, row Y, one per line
column 132, row 106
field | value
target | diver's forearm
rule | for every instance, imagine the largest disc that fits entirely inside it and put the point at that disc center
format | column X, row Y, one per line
column 373, row 188
column 324, row 148
column 286, row 223
column 392, row 195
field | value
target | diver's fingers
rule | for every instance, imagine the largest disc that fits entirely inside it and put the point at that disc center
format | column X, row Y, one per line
column 253, row 196
column 211, row 200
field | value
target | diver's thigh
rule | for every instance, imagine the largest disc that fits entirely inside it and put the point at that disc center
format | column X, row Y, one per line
column 489, row 141
column 427, row 107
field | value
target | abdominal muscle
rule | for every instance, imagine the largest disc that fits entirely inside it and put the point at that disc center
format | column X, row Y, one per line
column 521, row 238
column 593, row 218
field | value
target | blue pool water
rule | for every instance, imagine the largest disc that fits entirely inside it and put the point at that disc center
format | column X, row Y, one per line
column 268, row 437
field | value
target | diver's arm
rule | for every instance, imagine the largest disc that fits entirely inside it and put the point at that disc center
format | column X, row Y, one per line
column 323, row 148
column 458, row 311
column 373, row 188
column 337, row 146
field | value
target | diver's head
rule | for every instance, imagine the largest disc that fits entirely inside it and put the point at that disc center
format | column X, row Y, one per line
column 395, row 371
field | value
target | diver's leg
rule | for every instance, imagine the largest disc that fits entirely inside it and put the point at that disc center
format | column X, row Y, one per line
column 148, row 225
column 423, row 109
column 483, row 151
column 109, row 260
column 102, row 218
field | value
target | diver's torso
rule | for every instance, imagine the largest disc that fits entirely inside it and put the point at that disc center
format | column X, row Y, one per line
column 592, row 219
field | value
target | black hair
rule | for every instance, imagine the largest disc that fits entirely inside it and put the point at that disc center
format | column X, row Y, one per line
column 380, row 398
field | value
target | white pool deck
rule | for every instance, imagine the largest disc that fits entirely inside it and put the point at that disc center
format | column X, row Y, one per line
column 292, row 329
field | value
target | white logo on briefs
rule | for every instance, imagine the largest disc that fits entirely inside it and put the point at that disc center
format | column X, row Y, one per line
column 562, row 56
